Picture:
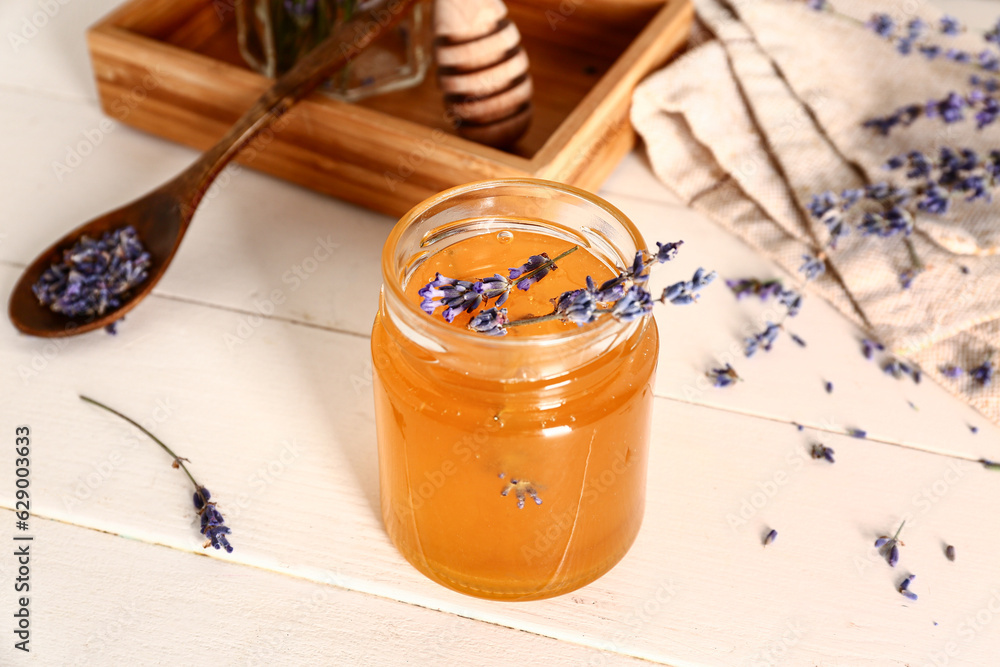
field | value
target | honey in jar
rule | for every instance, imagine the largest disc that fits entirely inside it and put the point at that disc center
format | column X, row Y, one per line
column 513, row 467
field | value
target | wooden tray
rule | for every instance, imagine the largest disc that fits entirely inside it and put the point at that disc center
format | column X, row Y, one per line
column 171, row 67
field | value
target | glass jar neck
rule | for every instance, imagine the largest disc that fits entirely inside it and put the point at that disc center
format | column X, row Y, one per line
column 429, row 228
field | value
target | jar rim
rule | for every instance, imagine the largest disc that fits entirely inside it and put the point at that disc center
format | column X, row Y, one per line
column 603, row 327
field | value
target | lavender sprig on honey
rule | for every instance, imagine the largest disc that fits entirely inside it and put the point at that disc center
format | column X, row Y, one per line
column 94, row 276
column 456, row 296
column 213, row 526
column 624, row 297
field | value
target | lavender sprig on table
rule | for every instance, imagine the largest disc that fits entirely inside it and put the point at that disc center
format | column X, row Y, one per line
column 94, row 276
column 981, row 374
column 790, row 299
column 723, row 377
column 213, row 526
column 887, row 210
column 623, row 297
column 889, row 546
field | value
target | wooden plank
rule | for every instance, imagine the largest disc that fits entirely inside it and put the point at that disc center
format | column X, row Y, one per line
column 362, row 161
column 149, row 604
column 606, row 105
column 288, row 433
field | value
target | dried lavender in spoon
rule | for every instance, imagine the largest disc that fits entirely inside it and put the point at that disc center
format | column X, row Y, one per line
column 95, row 275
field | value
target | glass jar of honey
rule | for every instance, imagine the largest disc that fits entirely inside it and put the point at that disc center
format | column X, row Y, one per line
column 513, row 467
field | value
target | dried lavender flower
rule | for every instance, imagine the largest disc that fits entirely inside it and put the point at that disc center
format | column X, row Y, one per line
column 522, row 489
column 94, row 276
column 949, row 553
column 579, row 306
column 213, row 525
column 951, row 371
column 829, row 387
column 791, row 300
column 763, row 340
column 771, row 536
column 983, row 373
column 490, row 322
column 751, row 286
column 798, row 341
column 625, row 295
column 869, row 346
column 529, row 273
column 899, row 369
column 667, row 251
column 950, row 25
column 904, row 588
column 812, row 267
column 821, row 451
column 857, row 433
column 889, row 546
column 686, row 292
column 451, row 294
column 723, row 377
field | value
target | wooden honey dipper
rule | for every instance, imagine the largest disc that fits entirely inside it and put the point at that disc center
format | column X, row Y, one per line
column 482, row 70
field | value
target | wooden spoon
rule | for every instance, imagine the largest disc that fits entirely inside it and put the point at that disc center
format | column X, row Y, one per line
column 162, row 217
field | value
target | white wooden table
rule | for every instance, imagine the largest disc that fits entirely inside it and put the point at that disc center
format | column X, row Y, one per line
column 275, row 413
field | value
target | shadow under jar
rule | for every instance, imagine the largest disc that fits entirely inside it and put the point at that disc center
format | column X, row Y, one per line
column 513, row 467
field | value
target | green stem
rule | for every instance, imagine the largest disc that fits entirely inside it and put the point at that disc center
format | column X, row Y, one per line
column 899, row 530
column 548, row 318
column 918, row 264
column 546, row 263
column 533, row 320
column 177, row 459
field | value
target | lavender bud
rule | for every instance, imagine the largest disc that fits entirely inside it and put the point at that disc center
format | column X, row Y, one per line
column 490, row 322
column 579, row 306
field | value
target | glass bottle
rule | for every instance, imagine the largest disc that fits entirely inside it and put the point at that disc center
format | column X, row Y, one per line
column 274, row 34
column 514, row 467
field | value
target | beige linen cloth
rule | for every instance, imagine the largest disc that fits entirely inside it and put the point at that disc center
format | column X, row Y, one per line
column 766, row 109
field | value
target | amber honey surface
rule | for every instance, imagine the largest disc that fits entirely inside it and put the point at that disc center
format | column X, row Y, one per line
column 512, row 489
